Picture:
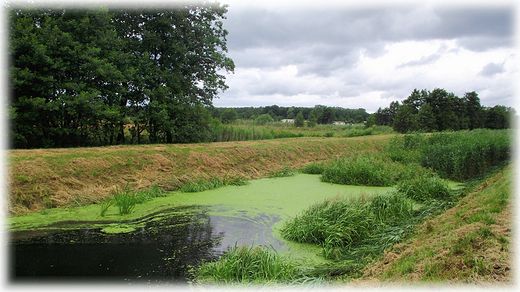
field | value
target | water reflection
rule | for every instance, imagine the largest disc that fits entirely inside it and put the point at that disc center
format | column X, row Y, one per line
column 162, row 251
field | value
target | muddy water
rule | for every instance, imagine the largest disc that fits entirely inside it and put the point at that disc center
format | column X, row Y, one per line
column 163, row 238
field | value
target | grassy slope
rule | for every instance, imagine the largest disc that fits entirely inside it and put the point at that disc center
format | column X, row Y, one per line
column 40, row 179
column 469, row 243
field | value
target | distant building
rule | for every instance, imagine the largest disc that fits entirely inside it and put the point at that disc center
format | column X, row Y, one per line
column 339, row 123
column 287, row 121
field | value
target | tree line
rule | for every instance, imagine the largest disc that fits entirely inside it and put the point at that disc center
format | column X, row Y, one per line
column 85, row 77
column 320, row 114
column 439, row 110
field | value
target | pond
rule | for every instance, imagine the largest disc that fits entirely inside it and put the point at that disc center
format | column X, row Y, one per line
column 163, row 238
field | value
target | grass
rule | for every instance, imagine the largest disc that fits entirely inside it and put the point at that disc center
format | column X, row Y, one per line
column 284, row 172
column 125, row 199
column 249, row 265
column 467, row 244
column 205, row 184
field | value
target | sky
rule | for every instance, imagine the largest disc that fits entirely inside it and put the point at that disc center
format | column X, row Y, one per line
column 300, row 53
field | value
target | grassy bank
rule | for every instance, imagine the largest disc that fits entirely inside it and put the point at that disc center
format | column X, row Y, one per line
column 355, row 232
column 43, row 179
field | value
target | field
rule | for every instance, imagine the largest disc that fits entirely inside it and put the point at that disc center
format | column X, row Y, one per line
column 422, row 232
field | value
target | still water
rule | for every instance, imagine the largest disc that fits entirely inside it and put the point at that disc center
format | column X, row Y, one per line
column 179, row 232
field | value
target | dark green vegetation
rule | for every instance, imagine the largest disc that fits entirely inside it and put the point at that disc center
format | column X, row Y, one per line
column 439, row 110
column 212, row 183
column 355, row 232
column 103, row 76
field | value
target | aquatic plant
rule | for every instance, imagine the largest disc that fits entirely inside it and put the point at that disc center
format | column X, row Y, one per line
column 105, row 205
column 248, row 265
column 125, row 200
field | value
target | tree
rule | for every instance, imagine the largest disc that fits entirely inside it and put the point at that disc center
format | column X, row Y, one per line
column 474, row 110
column 229, row 116
column 405, row 120
column 80, row 76
column 299, row 121
column 426, row 119
column 326, row 117
column 371, row 120
column 312, row 119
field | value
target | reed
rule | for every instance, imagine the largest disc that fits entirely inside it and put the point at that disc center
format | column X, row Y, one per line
column 125, row 200
column 422, row 188
column 364, row 169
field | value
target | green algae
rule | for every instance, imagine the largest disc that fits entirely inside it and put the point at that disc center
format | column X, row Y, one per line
column 247, row 214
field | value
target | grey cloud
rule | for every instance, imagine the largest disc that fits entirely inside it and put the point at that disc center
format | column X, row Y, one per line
column 422, row 61
column 492, row 69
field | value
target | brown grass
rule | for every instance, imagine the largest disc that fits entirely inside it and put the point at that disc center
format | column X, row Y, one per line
column 48, row 178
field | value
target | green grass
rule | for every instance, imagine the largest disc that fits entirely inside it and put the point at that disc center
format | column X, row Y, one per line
column 205, row 184
column 248, row 265
column 125, row 199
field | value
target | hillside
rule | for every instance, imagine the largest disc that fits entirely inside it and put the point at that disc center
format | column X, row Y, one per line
column 469, row 243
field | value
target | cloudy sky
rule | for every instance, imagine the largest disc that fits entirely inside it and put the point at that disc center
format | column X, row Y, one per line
column 292, row 53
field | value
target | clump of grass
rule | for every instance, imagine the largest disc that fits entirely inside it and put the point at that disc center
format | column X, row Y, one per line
column 313, row 168
column 125, row 200
column 369, row 170
column 284, row 172
column 423, row 187
column 206, row 184
column 341, row 225
column 248, row 265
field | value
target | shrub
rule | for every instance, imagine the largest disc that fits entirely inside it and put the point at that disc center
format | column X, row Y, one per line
column 313, row 168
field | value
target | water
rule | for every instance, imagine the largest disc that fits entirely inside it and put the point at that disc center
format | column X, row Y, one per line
column 162, row 246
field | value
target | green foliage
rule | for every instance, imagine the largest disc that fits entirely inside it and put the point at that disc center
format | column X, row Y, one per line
column 263, row 119
column 369, row 170
column 424, row 187
column 126, row 199
column 299, row 121
column 229, row 116
column 464, row 154
column 248, row 265
column 352, row 228
column 84, row 77
column 313, row 168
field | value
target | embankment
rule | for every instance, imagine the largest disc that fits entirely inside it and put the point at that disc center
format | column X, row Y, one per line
column 49, row 178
